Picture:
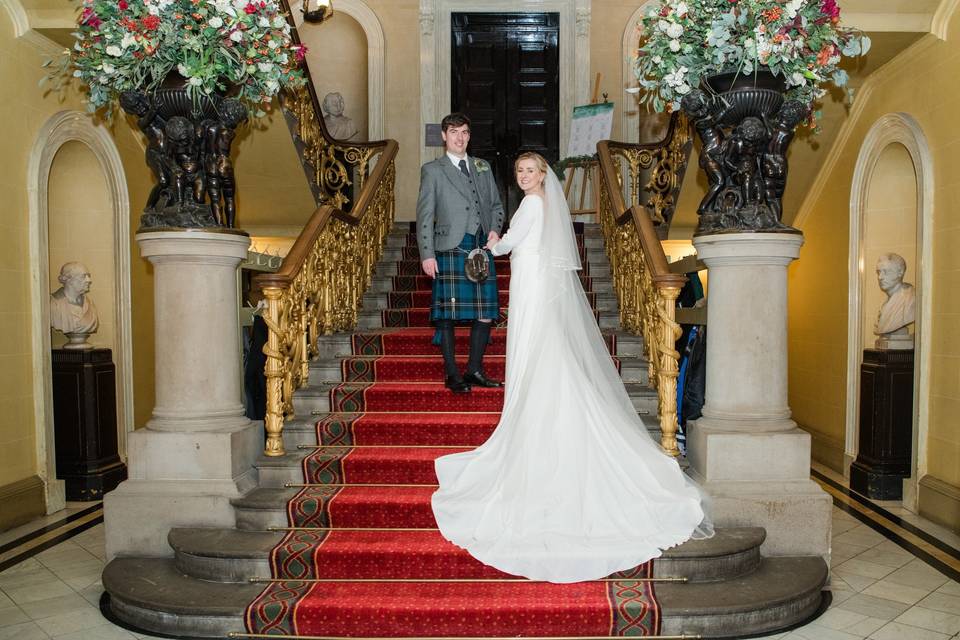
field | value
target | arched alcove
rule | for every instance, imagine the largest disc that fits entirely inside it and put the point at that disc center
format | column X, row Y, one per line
column 83, row 162
column 337, row 50
column 373, row 30
column 891, row 210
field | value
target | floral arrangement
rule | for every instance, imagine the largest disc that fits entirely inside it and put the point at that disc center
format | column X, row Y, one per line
column 686, row 41
column 134, row 44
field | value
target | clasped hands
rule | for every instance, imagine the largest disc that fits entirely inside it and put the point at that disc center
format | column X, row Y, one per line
column 429, row 265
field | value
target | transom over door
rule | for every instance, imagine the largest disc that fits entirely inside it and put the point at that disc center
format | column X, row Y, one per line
column 506, row 78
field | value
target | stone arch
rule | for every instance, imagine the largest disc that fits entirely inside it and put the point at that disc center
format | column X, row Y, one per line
column 891, row 129
column 629, row 124
column 61, row 128
column 364, row 15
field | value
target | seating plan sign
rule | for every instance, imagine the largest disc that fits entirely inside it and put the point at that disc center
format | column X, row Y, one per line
column 591, row 124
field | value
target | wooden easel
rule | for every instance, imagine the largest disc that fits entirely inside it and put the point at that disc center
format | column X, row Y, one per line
column 589, row 172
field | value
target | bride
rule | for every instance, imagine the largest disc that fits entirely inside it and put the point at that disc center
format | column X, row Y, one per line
column 569, row 486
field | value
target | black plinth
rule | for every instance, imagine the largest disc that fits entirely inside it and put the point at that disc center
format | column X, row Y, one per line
column 85, row 423
column 886, row 424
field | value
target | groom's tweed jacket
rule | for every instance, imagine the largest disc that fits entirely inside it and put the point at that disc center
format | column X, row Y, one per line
column 448, row 200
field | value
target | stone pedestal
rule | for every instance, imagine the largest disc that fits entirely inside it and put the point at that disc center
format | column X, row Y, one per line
column 197, row 451
column 85, row 422
column 750, row 456
column 885, row 451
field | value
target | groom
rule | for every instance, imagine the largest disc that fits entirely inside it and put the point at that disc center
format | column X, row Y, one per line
column 458, row 210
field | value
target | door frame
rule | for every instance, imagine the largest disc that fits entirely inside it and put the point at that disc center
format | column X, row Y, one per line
column 435, row 55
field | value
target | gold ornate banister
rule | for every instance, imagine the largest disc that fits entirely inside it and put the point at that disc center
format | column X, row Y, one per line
column 321, row 281
column 646, row 289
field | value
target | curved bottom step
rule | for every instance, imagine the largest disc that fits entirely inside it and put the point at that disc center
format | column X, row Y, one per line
column 151, row 594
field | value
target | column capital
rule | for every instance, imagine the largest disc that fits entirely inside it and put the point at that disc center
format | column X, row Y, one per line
column 761, row 249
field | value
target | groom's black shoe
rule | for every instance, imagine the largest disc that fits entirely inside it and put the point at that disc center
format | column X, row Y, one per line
column 481, row 380
column 457, row 384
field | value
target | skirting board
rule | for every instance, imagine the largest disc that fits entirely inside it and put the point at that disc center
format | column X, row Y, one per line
column 826, row 450
column 940, row 502
column 22, row 501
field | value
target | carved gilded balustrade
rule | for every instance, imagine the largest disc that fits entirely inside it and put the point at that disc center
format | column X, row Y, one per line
column 649, row 175
column 319, row 286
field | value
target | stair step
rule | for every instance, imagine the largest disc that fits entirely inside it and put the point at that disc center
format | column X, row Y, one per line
column 781, row 593
column 607, row 318
column 222, row 555
column 429, row 368
column 153, row 595
column 315, row 398
column 232, row 555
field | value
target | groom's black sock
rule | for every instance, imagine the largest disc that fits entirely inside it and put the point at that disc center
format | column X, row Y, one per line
column 448, row 347
column 479, row 337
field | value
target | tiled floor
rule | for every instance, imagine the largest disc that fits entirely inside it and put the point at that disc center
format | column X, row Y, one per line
column 880, row 591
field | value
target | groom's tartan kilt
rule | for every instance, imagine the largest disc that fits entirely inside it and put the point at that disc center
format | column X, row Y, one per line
column 455, row 297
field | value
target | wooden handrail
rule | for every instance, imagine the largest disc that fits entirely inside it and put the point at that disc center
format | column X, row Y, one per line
column 296, row 257
column 646, row 288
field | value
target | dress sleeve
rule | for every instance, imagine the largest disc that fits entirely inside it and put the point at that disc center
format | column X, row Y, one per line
column 528, row 214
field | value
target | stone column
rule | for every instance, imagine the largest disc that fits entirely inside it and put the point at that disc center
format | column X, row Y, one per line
column 197, row 451
column 745, row 449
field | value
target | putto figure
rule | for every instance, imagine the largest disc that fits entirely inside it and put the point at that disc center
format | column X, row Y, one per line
column 745, row 164
column 72, row 312
column 190, row 159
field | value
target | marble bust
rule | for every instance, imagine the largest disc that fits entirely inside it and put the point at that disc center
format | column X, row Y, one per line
column 72, row 312
column 899, row 310
column 338, row 125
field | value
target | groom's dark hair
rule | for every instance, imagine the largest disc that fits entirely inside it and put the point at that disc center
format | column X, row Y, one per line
column 454, row 120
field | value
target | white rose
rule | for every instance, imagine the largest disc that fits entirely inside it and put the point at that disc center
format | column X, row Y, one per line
column 182, row 70
column 663, row 25
column 263, row 21
column 115, row 51
column 683, row 89
column 265, row 67
column 273, row 44
column 675, row 30
column 216, row 22
column 196, row 82
column 682, row 9
column 108, row 68
column 657, row 59
column 236, row 36
column 797, row 79
column 674, row 45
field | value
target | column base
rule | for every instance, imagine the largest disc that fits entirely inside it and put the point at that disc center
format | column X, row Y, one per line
column 762, row 479
column 179, row 479
column 877, row 485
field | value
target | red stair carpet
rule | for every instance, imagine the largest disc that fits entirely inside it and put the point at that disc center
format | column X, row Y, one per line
column 367, row 516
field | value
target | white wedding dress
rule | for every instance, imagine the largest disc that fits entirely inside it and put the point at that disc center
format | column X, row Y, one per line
column 569, row 486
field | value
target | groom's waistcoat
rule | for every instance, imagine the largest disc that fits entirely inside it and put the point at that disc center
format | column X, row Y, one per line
column 450, row 203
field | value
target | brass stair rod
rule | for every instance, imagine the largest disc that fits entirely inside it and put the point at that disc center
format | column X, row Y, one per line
column 235, row 634
column 448, row 580
column 297, row 485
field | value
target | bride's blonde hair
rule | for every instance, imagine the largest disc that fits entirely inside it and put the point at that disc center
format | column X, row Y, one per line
column 540, row 161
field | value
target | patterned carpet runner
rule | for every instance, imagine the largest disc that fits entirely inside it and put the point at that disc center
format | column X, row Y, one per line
column 367, row 516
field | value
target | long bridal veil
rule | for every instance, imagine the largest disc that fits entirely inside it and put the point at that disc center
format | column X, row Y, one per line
column 570, row 486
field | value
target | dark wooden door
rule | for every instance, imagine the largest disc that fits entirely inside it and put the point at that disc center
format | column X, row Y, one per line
column 506, row 78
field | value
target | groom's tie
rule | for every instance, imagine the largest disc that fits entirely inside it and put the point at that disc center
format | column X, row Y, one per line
column 463, row 168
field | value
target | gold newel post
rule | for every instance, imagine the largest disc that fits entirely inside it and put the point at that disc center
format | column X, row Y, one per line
column 274, row 372
column 668, row 371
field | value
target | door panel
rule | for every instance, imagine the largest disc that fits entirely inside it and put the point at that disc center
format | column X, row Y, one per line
column 506, row 78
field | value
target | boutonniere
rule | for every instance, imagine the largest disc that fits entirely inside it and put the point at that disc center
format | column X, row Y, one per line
column 482, row 165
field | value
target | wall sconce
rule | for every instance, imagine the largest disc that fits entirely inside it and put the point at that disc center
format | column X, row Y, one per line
column 323, row 11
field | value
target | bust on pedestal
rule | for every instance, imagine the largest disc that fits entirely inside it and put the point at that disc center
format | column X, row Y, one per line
column 84, row 393
column 885, row 431
column 72, row 312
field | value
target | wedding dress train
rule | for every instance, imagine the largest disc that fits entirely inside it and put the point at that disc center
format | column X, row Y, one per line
column 569, row 486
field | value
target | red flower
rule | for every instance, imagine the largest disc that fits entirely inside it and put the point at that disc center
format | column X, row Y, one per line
column 150, row 23
column 300, row 53
column 830, row 9
column 122, row 5
column 250, row 9
column 89, row 18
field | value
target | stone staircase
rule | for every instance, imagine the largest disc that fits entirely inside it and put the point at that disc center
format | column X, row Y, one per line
column 203, row 589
